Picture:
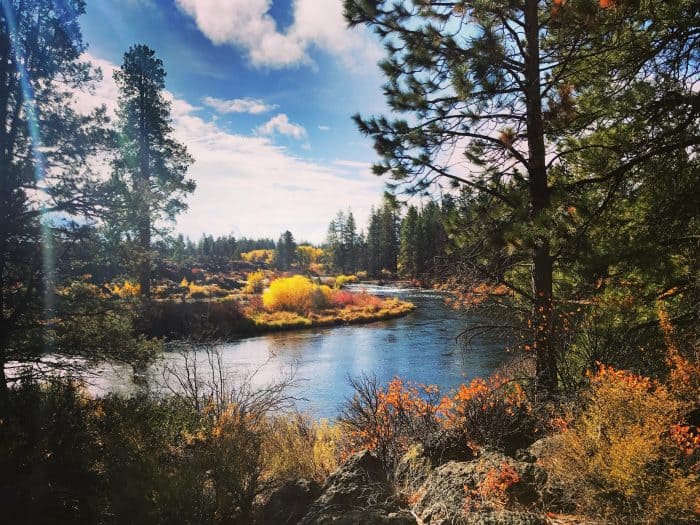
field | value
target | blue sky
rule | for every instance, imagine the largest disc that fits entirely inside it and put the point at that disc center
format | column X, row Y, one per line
column 263, row 92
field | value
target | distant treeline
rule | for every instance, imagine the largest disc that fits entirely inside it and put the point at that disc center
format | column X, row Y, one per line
column 406, row 244
column 210, row 249
column 399, row 241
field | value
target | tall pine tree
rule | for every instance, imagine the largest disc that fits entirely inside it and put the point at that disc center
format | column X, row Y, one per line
column 44, row 146
column 491, row 90
column 151, row 165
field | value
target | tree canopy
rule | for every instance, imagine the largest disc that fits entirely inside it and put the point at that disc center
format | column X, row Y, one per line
column 497, row 98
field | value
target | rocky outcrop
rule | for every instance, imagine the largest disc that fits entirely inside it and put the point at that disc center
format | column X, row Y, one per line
column 358, row 493
column 288, row 504
column 505, row 517
column 431, row 492
column 443, row 494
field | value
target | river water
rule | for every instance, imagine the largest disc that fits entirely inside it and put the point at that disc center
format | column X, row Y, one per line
column 420, row 347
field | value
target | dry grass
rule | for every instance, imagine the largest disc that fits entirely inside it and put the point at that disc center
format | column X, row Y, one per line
column 297, row 447
column 391, row 308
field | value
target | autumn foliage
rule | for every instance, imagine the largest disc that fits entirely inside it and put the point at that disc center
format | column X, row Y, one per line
column 255, row 282
column 388, row 420
column 296, row 294
column 626, row 454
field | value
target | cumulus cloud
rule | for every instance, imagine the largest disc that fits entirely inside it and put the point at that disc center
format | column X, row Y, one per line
column 247, row 185
column 253, row 106
column 248, row 25
column 280, row 124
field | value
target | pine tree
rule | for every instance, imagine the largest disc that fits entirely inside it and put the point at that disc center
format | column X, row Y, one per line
column 285, row 254
column 374, row 244
column 506, row 87
column 349, row 244
column 409, row 244
column 44, row 145
column 151, row 165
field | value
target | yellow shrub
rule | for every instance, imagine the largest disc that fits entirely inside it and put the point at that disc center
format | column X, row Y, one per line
column 128, row 289
column 619, row 457
column 327, row 446
column 203, row 291
column 197, row 291
column 308, row 255
column 259, row 256
column 255, row 282
column 342, row 280
column 296, row 294
column 281, row 320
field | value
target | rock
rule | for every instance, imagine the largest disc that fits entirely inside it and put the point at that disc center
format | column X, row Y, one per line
column 442, row 496
column 536, row 450
column 289, row 502
column 357, row 493
column 364, row 517
column 505, row 517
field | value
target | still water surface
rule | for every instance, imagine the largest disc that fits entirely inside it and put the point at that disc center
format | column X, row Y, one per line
column 420, row 347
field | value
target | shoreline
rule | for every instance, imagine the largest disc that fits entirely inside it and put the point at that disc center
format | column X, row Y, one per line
column 400, row 309
column 214, row 320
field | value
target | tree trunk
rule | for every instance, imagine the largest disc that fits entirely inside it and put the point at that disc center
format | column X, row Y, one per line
column 4, row 389
column 143, row 187
column 145, row 262
column 542, row 266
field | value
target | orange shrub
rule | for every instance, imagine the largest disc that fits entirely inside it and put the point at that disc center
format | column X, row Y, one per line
column 387, row 420
column 296, row 294
column 342, row 298
column 492, row 490
column 494, row 412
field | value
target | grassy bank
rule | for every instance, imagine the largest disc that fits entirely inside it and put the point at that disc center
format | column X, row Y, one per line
column 389, row 309
column 291, row 303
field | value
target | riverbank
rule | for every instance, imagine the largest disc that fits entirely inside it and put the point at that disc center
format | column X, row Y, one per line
column 419, row 346
column 231, row 318
column 389, row 309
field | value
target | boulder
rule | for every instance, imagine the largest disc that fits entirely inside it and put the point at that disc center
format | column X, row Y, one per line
column 287, row 504
column 441, row 499
column 358, row 492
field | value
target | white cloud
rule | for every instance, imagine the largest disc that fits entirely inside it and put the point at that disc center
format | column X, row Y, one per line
column 248, row 25
column 247, row 185
column 353, row 164
column 253, row 106
column 280, row 124
column 324, row 128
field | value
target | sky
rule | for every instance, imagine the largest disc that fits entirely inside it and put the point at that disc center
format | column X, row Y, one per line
column 262, row 94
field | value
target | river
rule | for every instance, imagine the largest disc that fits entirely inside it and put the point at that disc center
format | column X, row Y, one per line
column 420, row 347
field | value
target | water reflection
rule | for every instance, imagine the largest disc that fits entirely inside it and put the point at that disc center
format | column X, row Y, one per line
column 420, row 347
